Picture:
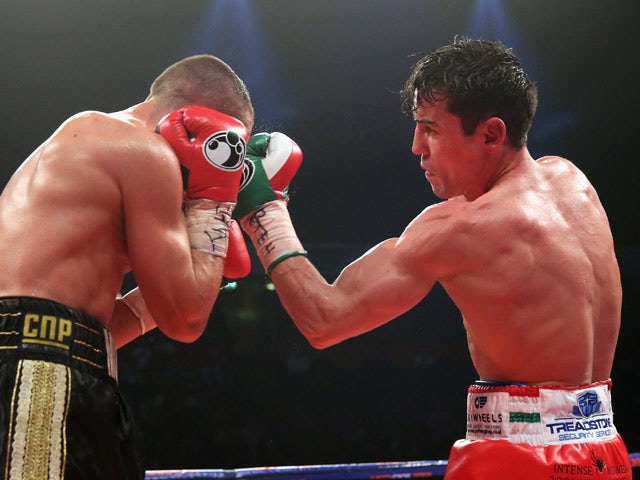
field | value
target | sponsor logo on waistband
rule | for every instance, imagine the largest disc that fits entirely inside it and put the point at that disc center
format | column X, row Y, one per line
column 47, row 330
column 588, row 404
column 555, row 416
column 587, row 420
column 480, row 401
column 484, row 415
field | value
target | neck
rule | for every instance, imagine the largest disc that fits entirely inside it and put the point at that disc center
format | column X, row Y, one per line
column 147, row 113
column 499, row 168
column 511, row 161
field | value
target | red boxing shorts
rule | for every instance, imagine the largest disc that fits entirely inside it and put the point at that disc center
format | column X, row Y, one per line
column 61, row 412
column 536, row 432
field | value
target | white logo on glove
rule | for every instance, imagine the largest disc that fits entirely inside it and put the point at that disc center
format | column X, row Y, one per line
column 225, row 150
column 247, row 174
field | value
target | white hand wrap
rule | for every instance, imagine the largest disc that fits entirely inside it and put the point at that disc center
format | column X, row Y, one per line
column 134, row 301
column 208, row 225
column 272, row 233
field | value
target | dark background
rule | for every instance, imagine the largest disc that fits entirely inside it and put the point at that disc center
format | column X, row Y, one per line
column 251, row 391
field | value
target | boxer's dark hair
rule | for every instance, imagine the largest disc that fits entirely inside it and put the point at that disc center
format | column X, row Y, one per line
column 479, row 79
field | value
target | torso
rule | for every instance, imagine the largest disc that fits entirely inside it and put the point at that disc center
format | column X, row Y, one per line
column 61, row 216
column 532, row 268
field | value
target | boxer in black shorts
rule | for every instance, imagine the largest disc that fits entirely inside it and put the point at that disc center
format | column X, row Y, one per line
column 103, row 197
column 58, row 375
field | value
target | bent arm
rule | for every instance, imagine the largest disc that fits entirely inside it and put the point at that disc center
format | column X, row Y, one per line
column 131, row 317
column 179, row 284
column 371, row 291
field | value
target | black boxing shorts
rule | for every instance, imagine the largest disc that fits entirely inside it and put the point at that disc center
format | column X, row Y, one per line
column 535, row 432
column 61, row 412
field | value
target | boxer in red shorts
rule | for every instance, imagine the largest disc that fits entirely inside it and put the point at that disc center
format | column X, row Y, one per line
column 522, row 246
column 539, row 432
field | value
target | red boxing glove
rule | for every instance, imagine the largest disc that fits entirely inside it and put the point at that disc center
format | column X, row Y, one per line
column 238, row 262
column 211, row 147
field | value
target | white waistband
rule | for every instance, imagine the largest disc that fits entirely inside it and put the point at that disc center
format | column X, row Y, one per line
column 540, row 415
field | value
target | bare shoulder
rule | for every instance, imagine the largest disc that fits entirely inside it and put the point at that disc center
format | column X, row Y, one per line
column 94, row 122
column 115, row 130
column 444, row 236
column 565, row 178
column 559, row 166
column 439, row 222
column 554, row 160
column 117, row 142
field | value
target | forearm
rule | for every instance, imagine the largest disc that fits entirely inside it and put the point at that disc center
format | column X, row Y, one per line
column 311, row 302
column 322, row 312
column 327, row 314
column 181, row 305
column 182, row 313
column 208, row 274
column 368, row 293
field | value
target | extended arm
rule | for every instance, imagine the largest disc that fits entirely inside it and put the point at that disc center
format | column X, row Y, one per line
column 374, row 289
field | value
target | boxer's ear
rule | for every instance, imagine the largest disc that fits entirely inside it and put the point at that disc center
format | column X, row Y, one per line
column 494, row 132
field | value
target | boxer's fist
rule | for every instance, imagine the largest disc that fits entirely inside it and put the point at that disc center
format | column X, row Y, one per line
column 211, row 147
column 272, row 161
column 238, row 262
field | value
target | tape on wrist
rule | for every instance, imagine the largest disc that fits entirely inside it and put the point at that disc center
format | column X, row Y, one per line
column 135, row 303
column 208, row 225
column 272, row 234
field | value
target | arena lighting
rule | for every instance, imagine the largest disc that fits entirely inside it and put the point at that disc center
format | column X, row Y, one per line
column 489, row 20
column 227, row 29
column 232, row 30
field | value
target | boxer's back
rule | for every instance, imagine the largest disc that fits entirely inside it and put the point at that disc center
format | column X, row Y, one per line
column 545, row 305
column 61, row 217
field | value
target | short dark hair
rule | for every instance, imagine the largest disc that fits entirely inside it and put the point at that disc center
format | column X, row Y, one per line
column 479, row 79
column 203, row 80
